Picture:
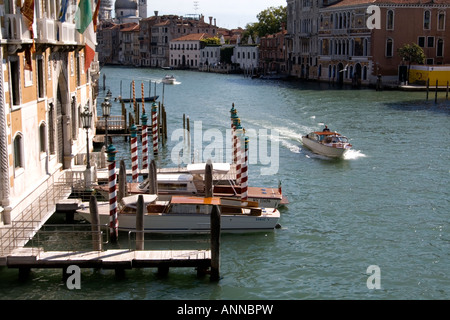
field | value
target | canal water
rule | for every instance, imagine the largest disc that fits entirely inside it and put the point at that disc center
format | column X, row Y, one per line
column 374, row 225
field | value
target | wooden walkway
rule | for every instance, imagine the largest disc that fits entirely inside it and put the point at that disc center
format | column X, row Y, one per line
column 27, row 258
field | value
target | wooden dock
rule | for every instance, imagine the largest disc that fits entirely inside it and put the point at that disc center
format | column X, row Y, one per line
column 119, row 260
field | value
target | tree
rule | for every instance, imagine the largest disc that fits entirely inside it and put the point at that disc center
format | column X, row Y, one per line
column 412, row 53
column 270, row 21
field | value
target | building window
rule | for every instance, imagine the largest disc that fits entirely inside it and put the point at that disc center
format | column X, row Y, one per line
column 430, row 42
column 390, row 20
column 440, row 48
column 430, row 61
column 421, row 42
column 42, row 138
column 389, row 47
column 426, row 20
column 441, row 21
column 40, row 76
column 14, row 68
column 18, row 151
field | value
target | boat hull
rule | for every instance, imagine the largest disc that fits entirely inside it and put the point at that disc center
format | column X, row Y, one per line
column 322, row 149
column 189, row 223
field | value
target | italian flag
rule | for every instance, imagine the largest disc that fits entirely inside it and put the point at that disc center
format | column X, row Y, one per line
column 85, row 25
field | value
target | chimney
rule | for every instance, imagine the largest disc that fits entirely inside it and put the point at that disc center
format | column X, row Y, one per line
column 156, row 13
column 214, row 22
column 210, row 20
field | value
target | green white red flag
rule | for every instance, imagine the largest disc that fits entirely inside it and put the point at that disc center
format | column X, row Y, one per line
column 85, row 25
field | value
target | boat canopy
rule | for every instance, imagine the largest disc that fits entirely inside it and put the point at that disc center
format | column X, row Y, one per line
column 131, row 201
column 199, row 168
column 326, row 133
column 195, row 200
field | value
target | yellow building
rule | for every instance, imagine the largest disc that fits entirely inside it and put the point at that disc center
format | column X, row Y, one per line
column 40, row 127
column 420, row 75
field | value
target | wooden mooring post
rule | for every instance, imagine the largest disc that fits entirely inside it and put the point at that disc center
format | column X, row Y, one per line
column 428, row 87
column 96, row 235
column 436, row 93
column 140, row 223
column 215, row 243
column 446, row 93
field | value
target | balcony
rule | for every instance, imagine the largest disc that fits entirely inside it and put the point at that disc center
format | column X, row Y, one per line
column 46, row 30
column 15, row 28
column 66, row 33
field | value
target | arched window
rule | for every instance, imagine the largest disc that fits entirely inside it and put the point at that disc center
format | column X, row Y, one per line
column 427, row 20
column 390, row 20
column 18, row 151
column 42, row 137
column 441, row 21
column 389, row 47
column 440, row 48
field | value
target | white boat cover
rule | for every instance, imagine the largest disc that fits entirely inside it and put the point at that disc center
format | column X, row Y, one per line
column 199, row 168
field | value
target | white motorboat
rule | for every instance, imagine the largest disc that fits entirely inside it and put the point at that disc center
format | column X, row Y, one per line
column 169, row 79
column 191, row 182
column 327, row 143
column 189, row 214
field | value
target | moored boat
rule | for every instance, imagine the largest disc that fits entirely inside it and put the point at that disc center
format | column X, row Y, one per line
column 191, row 182
column 327, row 143
column 189, row 214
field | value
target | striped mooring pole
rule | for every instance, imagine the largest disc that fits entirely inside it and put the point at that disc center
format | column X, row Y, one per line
column 244, row 178
column 234, row 121
column 113, row 221
column 239, row 156
column 155, row 128
column 144, row 120
column 134, row 153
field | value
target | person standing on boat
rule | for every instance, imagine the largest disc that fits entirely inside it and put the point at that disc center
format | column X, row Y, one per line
column 326, row 129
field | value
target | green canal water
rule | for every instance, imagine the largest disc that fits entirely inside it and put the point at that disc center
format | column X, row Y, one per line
column 385, row 205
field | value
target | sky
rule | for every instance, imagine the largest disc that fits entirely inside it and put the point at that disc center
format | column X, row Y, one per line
column 228, row 13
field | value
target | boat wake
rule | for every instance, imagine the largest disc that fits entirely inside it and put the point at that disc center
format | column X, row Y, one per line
column 354, row 154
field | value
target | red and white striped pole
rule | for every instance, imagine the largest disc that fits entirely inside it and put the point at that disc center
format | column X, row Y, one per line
column 113, row 220
column 144, row 120
column 155, row 128
column 134, row 154
column 239, row 156
column 244, row 178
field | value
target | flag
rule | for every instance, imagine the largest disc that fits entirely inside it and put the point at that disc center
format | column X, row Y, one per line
column 62, row 12
column 27, row 11
column 85, row 25
column 95, row 17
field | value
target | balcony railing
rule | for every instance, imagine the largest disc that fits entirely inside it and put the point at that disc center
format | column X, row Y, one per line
column 46, row 30
column 15, row 28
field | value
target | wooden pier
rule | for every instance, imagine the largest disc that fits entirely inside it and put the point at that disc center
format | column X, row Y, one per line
column 119, row 260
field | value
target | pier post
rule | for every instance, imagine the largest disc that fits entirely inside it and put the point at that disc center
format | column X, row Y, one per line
column 140, row 223
column 144, row 119
column 428, row 87
column 134, row 153
column 244, row 177
column 436, row 93
column 446, row 94
column 155, row 128
column 208, row 179
column 239, row 136
column 152, row 177
column 215, row 243
column 95, row 222
column 122, row 181
column 113, row 221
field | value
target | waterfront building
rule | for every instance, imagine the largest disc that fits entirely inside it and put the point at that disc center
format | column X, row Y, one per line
column 42, row 95
column 185, row 51
column 339, row 41
column 247, row 56
column 272, row 53
column 302, row 46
